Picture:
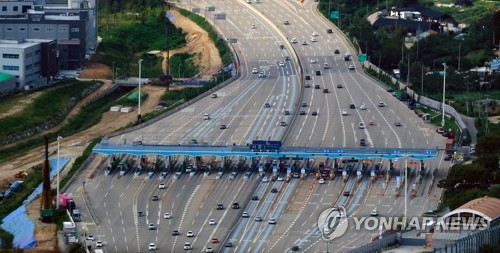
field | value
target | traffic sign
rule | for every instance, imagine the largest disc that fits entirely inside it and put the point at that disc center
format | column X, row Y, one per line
column 362, row 57
column 334, row 15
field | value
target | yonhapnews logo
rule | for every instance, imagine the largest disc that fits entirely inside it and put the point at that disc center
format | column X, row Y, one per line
column 333, row 222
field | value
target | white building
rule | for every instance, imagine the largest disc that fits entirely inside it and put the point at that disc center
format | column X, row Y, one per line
column 22, row 59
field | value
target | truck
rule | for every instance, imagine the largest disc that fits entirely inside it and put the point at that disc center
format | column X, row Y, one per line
column 449, row 146
column 64, row 200
column 325, row 174
column 76, row 215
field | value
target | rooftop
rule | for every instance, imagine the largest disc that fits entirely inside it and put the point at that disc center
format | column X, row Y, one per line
column 4, row 76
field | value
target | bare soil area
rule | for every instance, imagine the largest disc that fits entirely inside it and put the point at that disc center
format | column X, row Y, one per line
column 73, row 146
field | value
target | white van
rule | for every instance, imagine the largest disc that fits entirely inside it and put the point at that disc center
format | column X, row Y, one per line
column 206, row 116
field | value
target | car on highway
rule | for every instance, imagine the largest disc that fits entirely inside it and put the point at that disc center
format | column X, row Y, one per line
column 98, row 244
column 235, row 205
column 293, row 40
column 233, row 175
column 255, row 197
column 351, row 67
column 337, row 51
column 371, row 123
column 307, row 85
column 361, row 125
column 325, row 90
column 228, row 245
column 190, row 234
column 162, row 186
column 313, row 39
column 304, row 104
column 295, row 248
column 265, row 179
column 352, row 106
column 187, row 246
column 90, row 238
column 397, row 123
column 347, row 193
column 214, row 95
column 302, row 113
column 255, row 71
column 152, row 246
column 316, row 86
column 374, row 212
column 220, row 206
column 209, row 249
column 254, row 26
column 267, row 105
column 167, row 216
column 390, row 90
column 206, row 116
column 304, row 42
column 223, row 126
column 286, row 22
column 362, row 142
column 313, row 61
column 281, row 178
column 314, row 113
column 274, row 190
column 295, row 175
column 344, row 112
column 287, row 58
column 245, row 215
column 448, row 157
column 318, row 72
column 362, row 107
column 315, row 34
column 282, row 123
column 287, row 112
column 339, row 86
column 151, row 226
column 262, row 74
column 326, row 65
column 212, row 222
column 258, row 219
column 175, row 233
column 381, row 104
column 272, row 221
column 214, row 240
column 154, row 198
column 282, row 64
column 321, row 181
column 329, row 30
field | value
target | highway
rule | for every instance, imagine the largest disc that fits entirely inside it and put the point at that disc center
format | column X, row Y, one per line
column 113, row 202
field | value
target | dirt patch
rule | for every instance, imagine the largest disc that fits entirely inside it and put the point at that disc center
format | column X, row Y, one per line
column 21, row 104
column 96, row 70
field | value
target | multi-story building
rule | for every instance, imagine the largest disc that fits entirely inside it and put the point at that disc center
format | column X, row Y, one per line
column 31, row 61
column 71, row 23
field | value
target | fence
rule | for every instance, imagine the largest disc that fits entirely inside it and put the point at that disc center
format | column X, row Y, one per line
column 387, row 240
column 473, row 242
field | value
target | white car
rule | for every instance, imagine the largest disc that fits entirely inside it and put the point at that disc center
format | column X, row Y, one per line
column 162, row 186
column 282, row 64
column 211, row 222
column 255, row 71
column 98, row 244
column 321, row 181
column 190, row 234
column 281, row 178
column 90, row 237
column 351, row 67
column 272, row 221
column 206, row 116
column 315, row 34
column 313, row 39
column 152, row 246
column 381, row 104
column 293, row 40
column 265, row 179
column 167, row 216
column 361, row 125
column 344, row 112
column 314, row 60
column 187, row 246
column 374, row 212
column 304, row 42
column 245, row 215
column 209, row 249
column 362, row 107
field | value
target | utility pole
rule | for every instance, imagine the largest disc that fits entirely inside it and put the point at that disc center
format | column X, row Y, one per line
column 444, row 92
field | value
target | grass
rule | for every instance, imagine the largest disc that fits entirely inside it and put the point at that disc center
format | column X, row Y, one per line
column 7, row 103
column 183, row 65
column 53, row 106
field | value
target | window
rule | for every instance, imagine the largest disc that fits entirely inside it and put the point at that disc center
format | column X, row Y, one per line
column 28, row 67
column 62, row 29
column 9, row 29
column 37, row 52
column 22, row 28
column 9, row 67
column 50, row 29
column 36, row 29
column 29, row 55
column 75, row 29
column 15, row 8
column 36, row 19
column 10, row 56
column 4, row 8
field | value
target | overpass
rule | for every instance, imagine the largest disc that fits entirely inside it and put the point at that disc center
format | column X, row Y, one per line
column 255, row 150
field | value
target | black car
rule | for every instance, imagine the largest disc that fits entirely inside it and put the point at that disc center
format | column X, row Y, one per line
column 236, row 206
column 255, row 197
column 154, row 198
column 295, row 248
column 318, row 72
column 316, row 86
column 223, row 126
column 302, row 113
column 274, row 190
column 397, row 124
column 337, row 51
column 314, row 113
column 329, row 30
column 282, row 47
column 307, row 85
column 287, row 112
column 283, row 123
column 339, row 85
column 175, row 233
column 228, row 244
column 220, row 207
column 352, row 106
column 390, row 90
column 362, row 142
column 308, row 77
column 304, row 104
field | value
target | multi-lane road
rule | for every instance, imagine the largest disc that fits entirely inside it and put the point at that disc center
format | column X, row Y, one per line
column 113, row 203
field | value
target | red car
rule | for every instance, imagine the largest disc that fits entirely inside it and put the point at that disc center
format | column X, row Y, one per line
column 347, row 193
column 371, row 123
column 440, row 130
column 214, row 240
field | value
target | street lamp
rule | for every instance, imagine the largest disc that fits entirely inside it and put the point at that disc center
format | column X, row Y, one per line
column 444, row 92
column 59, row 138
column 139, row 112
column 113, row 72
